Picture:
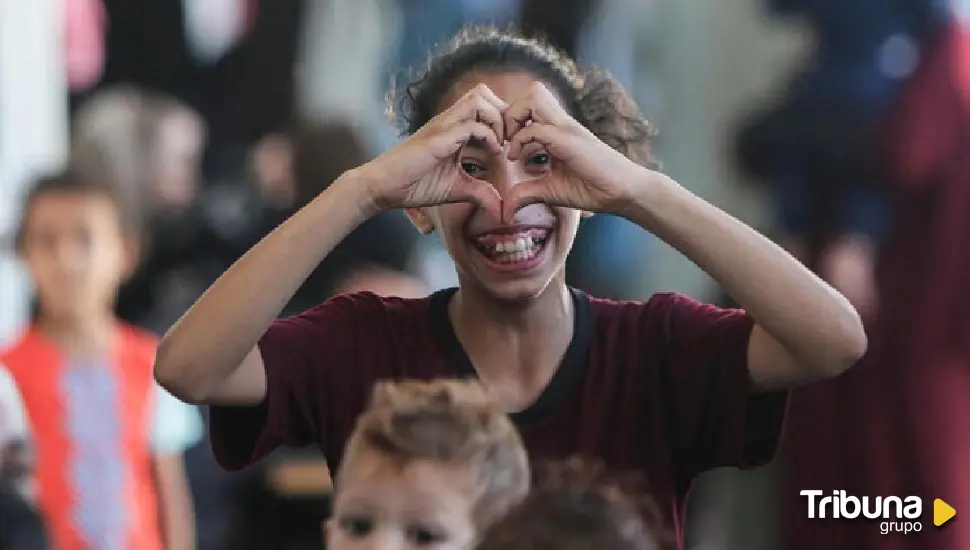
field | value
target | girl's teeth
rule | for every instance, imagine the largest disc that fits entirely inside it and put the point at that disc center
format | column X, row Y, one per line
column 517, row 245
column 515, row 250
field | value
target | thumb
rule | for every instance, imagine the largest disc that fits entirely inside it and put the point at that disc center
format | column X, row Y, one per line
column 481, row 194
column 523, row 195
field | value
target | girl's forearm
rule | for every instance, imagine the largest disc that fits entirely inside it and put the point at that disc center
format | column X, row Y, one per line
column 213, row 337
column 808, row 317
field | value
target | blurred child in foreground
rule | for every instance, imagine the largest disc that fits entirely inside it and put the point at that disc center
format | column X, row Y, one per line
column 108, row 441
column 429, row 464
column 577, row 507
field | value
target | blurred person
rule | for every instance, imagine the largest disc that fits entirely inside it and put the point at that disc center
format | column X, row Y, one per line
column 272, row 161
column 383, row 282
column 215, row 55
column 373, row 27
column 898, row 423
column 150, row 145
column 428, row 464
column 183, row 250
column 21, row 525
column 670, row 387
column 294, row 168
column 577, row 506
column 109, row 441
column 177, row 137
column 815, row 145
column 109, row 138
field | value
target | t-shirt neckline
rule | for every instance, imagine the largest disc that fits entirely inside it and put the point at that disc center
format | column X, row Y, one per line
column 567, row 376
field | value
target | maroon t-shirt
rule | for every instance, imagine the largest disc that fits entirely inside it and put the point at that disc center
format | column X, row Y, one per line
column 659, row 387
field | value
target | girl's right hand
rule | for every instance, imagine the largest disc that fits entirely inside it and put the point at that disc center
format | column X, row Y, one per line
column 424, row 170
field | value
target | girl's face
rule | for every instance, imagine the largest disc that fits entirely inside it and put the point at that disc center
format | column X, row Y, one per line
column 382, row 505
column 510, row 262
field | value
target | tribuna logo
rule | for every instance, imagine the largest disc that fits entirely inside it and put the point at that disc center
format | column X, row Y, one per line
column 840, row 505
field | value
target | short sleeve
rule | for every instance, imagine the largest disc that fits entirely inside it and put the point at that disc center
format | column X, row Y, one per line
column 717, row 420
column 298, row 352
column 176, row 426
column 13, row 415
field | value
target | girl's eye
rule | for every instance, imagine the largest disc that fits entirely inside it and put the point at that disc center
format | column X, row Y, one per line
column 472, row 168
column 424, row 535
column 538, row 159
column 356, row 526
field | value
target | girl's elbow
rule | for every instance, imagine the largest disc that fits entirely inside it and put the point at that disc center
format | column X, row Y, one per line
column 851, row 345
column 171, row 376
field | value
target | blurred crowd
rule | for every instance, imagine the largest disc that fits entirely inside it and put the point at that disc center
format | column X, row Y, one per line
column 217, row 120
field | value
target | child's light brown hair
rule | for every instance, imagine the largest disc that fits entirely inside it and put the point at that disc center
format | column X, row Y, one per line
column 454, row 422
column 577, row 506
column 74, row 182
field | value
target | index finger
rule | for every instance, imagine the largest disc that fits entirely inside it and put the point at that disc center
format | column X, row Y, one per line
column 538, row 105
column 479, row 105
column 490, row 96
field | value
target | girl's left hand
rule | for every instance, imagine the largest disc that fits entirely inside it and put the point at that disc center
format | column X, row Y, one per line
column 586, row 173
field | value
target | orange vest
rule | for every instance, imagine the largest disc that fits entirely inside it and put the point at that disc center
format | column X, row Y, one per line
column 40, row 373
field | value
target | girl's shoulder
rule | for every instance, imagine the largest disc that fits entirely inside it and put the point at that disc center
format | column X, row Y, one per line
column 658, row 306
column 366, row 304
column 668, row 319
column 355, row 314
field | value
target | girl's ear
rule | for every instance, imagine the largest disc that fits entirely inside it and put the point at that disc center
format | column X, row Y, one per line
column 421, row 219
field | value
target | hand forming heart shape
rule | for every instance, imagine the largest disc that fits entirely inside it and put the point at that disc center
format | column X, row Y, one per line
column 587, row 174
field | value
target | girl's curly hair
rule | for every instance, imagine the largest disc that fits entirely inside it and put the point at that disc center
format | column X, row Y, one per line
column 593, row 97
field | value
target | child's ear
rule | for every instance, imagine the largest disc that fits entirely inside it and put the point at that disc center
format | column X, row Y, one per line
column 421, row 219
column 132, row 256
column 327, row 527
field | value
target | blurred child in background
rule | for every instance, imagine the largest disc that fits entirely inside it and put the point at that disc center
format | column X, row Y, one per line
column 576, row 507
column 294, row 168
column 108, row 441
column 21, row 527
column 429, row 464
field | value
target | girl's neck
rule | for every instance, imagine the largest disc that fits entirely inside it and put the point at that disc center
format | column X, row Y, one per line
column 82, row 336
column 526, row 339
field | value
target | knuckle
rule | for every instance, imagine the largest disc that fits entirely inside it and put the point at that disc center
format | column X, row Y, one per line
column 480, row 103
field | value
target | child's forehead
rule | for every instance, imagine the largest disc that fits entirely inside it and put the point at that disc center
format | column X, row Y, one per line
column 414, row 488
column 71, row 208
column 70, row 201
column 416, row 476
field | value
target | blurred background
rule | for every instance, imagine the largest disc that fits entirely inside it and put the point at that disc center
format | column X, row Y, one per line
column 808, row 119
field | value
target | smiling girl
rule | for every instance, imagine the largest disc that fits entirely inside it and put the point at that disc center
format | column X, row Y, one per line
column 509, row 145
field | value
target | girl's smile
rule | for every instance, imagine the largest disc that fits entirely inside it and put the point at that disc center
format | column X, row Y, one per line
column 514, row 248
